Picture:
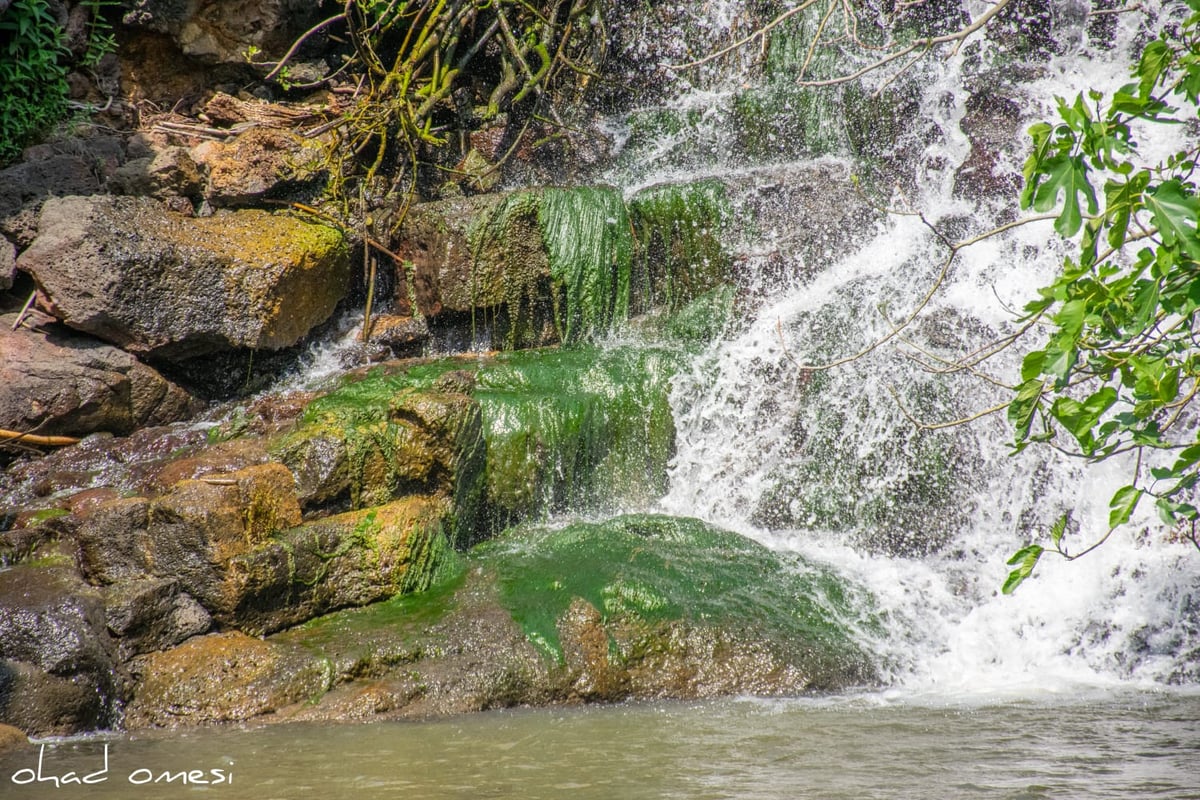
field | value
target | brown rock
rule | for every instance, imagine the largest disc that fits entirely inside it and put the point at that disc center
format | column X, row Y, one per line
column 252, row 165
column 350, row 559
column 53, row 381
column 222, row 677
column 152, row 615
column 25, row 186
column 403, row 335
column 174, row 287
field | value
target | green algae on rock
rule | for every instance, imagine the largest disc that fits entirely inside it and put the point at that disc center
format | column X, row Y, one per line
column 679, row 253
column 640, row 573
column 543, row 266
column 542, row 430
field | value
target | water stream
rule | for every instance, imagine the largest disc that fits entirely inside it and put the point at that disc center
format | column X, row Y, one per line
column 1079, row 685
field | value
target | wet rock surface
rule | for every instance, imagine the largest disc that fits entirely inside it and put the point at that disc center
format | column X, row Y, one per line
column 59, row 668
column 55, row 381
column 223, row 677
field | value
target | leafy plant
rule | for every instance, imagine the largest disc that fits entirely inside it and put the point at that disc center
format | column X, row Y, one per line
column 1120, row 370
column 33, row 87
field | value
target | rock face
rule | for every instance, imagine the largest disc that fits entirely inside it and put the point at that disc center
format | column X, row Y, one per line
column 53, row 381
column 58, row 666
column 172, row 287
column 225, row 677
column 223, row 31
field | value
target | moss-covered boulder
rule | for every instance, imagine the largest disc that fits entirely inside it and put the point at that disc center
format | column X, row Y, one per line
column 172, row 287
column 635, row 607
column 350, row 559
column 677, row 607
column 553, row 265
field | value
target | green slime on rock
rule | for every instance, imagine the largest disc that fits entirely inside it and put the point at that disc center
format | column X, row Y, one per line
column 653, row 568
column 580, row 428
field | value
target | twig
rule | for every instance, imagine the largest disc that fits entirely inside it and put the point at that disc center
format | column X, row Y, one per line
column 16, row 437
column 24, row 310
column 937, row 426
column 784, row 17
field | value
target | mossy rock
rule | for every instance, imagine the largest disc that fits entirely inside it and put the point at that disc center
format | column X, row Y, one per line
column 655, row 584
column 351, row 559
column 552, row 265
column 542, row 430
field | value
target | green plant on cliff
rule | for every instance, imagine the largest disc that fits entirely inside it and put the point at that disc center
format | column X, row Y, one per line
column 1121, row 368
column 33, row 86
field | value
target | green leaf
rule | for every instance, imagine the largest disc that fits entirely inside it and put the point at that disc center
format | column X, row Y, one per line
column 1122, row 505
column 1070, row 317
column 1026, row 559
column 1058, row 529
column 1175, row 210
column 1066, row 176
column 1154, row 61
column 1032, row 364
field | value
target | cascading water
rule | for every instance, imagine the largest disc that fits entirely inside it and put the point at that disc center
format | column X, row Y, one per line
column 830, row 461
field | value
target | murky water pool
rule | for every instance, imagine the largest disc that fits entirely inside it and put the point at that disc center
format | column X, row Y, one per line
column 1129, row 745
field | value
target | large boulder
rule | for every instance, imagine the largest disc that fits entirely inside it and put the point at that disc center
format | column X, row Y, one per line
column 59, row 671
column 640, row 607
column 173, row 287
column 54, row 381
column 223, row 677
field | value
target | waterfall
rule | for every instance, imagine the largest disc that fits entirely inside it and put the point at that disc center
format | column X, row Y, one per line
column 830, row 463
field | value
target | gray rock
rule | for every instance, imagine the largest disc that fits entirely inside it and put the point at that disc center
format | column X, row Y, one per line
column 53, row 381
column 173, row 287
column 170, row 172
column 54, row 624
column 152, row 615
column 42, row 704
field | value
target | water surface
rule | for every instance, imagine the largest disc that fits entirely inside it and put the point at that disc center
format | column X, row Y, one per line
column 1127, row 745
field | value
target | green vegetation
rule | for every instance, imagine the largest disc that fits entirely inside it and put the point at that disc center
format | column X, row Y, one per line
column 1120, row 370
column 34, row 63
column 33, row 72
column 646, row 569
